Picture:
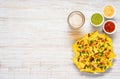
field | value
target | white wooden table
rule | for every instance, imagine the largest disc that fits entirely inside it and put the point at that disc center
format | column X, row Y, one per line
column 35, row 39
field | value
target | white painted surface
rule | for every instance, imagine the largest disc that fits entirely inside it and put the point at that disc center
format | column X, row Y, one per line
column 35, row 39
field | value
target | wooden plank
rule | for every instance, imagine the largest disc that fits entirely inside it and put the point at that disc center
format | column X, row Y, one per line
column 35, row 39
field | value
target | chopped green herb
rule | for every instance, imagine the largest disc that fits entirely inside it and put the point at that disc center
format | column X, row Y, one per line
column 108, row 44
column 87, row 56
column 100, row 53
column 93, row 51
column 91, row 41
column 89, row 66
column 80, row 54
column 81, row 47
column 97, row 60
column 102, row 45
column 98, row 65
column 104, row 67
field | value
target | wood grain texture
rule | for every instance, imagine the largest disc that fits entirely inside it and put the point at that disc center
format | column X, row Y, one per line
column 35, row 39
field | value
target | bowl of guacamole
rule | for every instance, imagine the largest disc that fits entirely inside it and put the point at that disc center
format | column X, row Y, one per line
column 97, row 19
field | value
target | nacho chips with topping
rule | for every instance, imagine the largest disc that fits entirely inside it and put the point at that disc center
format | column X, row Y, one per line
column 93, row 53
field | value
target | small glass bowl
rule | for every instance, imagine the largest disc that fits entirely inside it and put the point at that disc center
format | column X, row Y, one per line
column 76, row 19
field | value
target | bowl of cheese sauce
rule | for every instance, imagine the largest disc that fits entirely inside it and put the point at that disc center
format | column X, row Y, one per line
column 109, row 11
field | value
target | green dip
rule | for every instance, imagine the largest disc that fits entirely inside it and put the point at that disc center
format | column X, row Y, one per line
column 96, row 19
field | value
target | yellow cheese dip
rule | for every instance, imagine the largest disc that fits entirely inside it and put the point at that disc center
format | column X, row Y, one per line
column 108, row 11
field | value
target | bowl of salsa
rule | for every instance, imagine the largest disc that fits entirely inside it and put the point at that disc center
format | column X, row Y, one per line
column 97, row 19
column 109, row 27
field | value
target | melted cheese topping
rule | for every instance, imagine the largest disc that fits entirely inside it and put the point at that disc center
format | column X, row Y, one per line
column 93, row 53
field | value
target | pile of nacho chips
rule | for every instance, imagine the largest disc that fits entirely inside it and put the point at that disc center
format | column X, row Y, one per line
column 93, row 53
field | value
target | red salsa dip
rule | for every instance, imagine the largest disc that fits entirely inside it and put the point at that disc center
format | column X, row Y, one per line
column 109, row 26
